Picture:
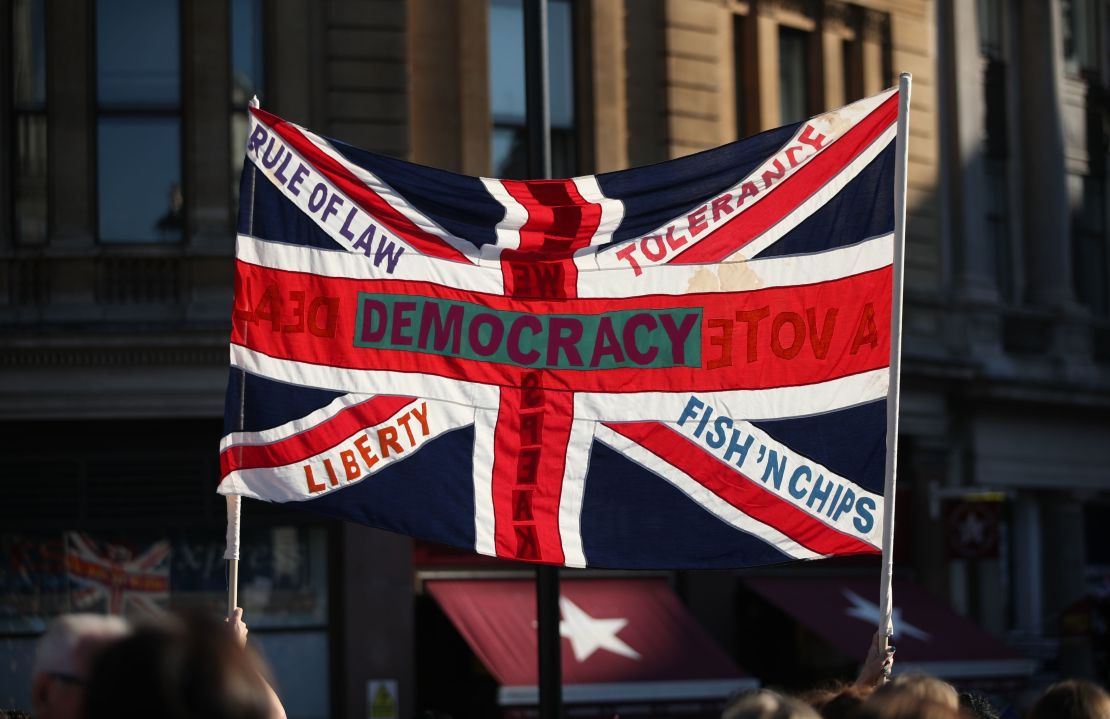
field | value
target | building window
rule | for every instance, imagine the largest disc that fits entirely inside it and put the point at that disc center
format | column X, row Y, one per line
column 247, row 77
column 29, row 116
column 794, row 75
column 509, row 146
column 1080, row 30
column 827, row 55
column 138, row 136
column 1091, row 265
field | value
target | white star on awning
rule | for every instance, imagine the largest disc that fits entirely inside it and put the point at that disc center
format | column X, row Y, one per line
column 587, row 634
column 868, row 612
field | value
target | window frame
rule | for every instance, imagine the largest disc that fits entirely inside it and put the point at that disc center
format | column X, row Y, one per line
column 119, row 111
column 579, row 78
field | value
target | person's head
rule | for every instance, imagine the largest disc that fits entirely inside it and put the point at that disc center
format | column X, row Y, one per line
column 977, row 706
column 847, row 702
column 184, row 667
column 904, row 705
column 766, row 704
column 63, row 657
column 1072, row 699
column 922, row 687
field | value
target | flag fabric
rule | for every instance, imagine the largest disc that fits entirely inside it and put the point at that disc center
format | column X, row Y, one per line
column 117, row 578
column 679, row 365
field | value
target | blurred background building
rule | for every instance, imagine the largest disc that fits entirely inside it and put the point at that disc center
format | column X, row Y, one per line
column 121, row 128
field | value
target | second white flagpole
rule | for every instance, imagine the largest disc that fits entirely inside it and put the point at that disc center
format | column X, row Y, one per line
column 235, row 502
column 901, row 156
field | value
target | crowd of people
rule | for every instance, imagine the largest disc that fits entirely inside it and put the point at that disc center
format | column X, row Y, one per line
column 875, row 695
column 193, row 666
column 184, row 666
column 915, row 696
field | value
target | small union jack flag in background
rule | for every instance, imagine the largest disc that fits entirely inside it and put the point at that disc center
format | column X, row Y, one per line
column 117, row 578
column 681, row 365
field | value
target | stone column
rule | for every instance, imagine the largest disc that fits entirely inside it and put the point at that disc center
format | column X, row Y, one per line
column 767, row 44
column 609, row 105
column 475, row 121
column 1044, row 192
column 965, row 116
column 206, row 102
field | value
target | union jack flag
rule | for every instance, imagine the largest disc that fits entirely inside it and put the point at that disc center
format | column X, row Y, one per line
column 117, row 578
column 680, row 365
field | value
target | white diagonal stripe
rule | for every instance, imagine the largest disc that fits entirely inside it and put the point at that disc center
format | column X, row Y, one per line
column 834, row 125
column 294, row 427
column 288, row 483
column 702, row 496
column 819, row 198
column 393, row 198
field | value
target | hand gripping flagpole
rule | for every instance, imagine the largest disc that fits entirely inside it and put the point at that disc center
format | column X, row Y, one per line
column 901, row 152
column 234, row 501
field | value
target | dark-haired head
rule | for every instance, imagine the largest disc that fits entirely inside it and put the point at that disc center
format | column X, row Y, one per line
column 977, row 706
column 184, row 667
column 1072, row 699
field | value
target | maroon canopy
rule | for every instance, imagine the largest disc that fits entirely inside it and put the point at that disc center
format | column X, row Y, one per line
column 929, row 637
column 623, row 639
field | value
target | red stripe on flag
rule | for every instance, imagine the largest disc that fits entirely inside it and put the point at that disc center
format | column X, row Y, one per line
column 740, row 491
column 761, row 339
column 533, row 429
column 340, row 426
column 791, row 192
column 354, row 188
column 560, row 221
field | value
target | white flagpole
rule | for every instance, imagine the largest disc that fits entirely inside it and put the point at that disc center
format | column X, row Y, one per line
column 234, row 501
column 901, row 153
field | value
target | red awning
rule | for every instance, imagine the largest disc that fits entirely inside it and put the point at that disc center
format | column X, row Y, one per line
column 929, row 637
column 623, row 640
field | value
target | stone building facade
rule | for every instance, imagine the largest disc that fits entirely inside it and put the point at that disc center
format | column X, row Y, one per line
column 114, row 300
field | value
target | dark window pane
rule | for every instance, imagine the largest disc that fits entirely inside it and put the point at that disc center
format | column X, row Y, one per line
column 246, row 50
column 564, row 153
column 28, row 54
column 30, row 178
column 793, row 75
column 509, row 147
column 510, row 152
column 1090, row 262
column 138, row 53
column 561, row 59
column 139, row 179
column 506, row 61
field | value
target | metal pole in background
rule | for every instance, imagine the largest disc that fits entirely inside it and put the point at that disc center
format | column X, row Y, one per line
column 538, row 122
